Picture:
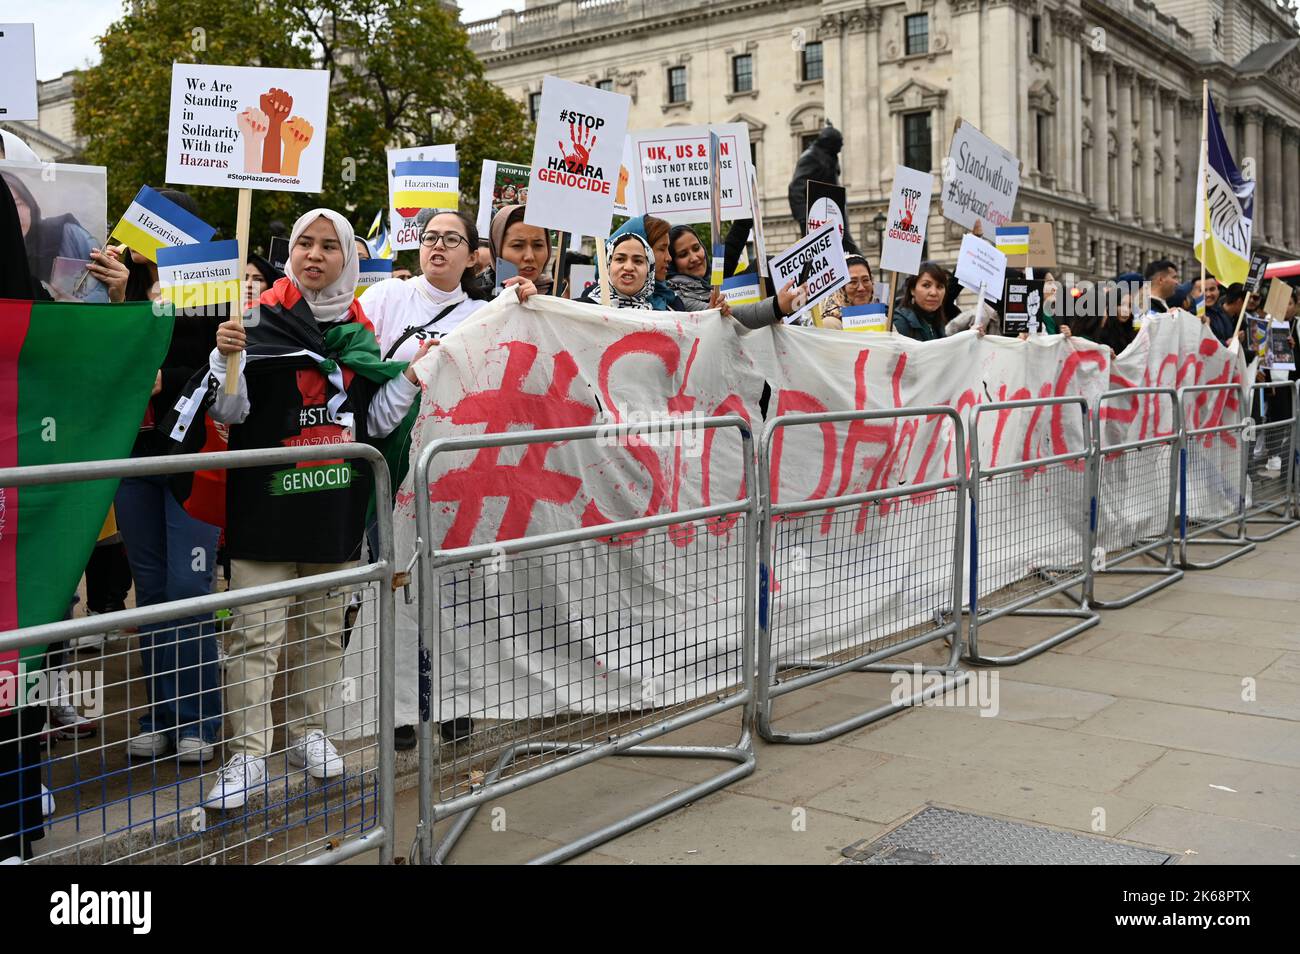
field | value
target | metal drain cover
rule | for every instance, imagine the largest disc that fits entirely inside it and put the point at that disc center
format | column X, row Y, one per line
column 941, row 836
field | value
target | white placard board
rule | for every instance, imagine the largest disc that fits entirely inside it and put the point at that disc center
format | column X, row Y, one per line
column 980, row 263
column 18, row 72
column 674, row 167
column 980, row 180
column 909, row 211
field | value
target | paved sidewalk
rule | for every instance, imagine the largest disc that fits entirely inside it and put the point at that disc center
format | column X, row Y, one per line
column 1174, row 724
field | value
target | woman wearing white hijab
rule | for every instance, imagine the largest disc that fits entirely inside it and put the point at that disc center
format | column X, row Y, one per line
column 311, row 374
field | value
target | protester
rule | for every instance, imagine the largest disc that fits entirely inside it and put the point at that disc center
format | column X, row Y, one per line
column 1162, row 280
column 921, row 314
column 259, row 275
column 1223, row 317
column 47, row 239
column 861, row 290
column 279, row 537
column 654, row 232
column 1112, row 325
column 631, row 276
column 526, row 247
column 1211, row 291
column 363, row 249
column 172, row 554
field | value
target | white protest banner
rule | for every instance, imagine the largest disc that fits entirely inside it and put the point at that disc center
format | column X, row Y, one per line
column 576, row 158
column 66, row 207
column 419, row 178
column 247, row 127
column 980, row 179
column 501, row 184
column 572, row 365
column 674, row 166
column 979, row 263
column 909, row 211
column 816, row 262
column 625, row 202
column 18, row 72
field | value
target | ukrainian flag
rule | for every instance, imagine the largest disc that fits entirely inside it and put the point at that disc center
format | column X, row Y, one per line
column 719, row 254
column 153, row 221
column 193, row 276
column 1012, row 239
column 426, row 185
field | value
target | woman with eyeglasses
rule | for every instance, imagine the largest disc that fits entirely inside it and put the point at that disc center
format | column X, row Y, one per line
column 446, row 292
column 861, row 290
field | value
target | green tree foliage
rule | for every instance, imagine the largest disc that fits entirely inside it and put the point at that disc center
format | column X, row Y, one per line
column 402, row 75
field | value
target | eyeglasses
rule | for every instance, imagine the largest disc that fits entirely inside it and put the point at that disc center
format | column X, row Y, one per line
column 449, row 239
column 861, row 283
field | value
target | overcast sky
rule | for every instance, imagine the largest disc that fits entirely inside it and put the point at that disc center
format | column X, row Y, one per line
column 66, row 29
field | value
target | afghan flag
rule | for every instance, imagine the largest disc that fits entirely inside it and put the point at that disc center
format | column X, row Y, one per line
column 1225, row 203
column 74, row 383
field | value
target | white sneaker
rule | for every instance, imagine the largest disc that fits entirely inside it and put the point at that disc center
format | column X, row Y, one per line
column 239, row 776
column 318, row 754
column 47, row 802
column 68, row 723
column 193, row 749
column 1274, row 463
column 148, row 745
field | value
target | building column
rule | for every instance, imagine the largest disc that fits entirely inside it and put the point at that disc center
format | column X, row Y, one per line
column 1273, row 178
column 1189, row 149
column 1005, row 119
column 1124, row 134
column 1291, row 212
column 835, row 65
column 1147, row 138
column 1169, row 154
column 1253, row 150
column 1064, row 104
column 966, row 28
column 1100, row 128
column 868, row 25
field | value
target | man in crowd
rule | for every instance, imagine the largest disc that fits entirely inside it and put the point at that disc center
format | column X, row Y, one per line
column 1162, row 281
column 1223, row 317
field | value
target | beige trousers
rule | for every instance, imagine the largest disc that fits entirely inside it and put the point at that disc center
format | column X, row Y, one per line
column 313, row 625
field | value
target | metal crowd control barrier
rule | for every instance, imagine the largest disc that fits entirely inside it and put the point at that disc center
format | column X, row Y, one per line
column 851, row 572
column 1203, row 485
column 1015, row 560
column 1135, row 490
column 110, row 803
column 620, row 695
column 1271, row 488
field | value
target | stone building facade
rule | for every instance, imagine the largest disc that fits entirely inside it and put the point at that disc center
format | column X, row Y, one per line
column 53, row 136
column 1101, row 99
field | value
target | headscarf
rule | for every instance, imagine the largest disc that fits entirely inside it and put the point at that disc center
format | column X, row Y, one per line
column 44, row 236
column 650, row 229
column 511, row 215
column 332, row 302
column 640, row 299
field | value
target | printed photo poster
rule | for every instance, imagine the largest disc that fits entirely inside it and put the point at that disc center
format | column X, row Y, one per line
column 1257, row 330
column 1023, row 307
column 576, row 158
column 905, row 224
column 18, row 72
column 816, row 263
column 419, row 178
column 980, row 180
column 247, row 127
column 1281, row 350
column 501, row 184
column 674, row 165
column 826, row 203
column 63, row 213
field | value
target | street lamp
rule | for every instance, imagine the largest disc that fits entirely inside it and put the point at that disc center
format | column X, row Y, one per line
column 879, row 224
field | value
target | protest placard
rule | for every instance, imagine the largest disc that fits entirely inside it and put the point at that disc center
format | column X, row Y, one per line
column 66, row 210
column 18, row 72
column 873, row 316
column 742, row 289
column 373, row 271
column 581, row 277
column 247, row 127
column 674, row 172
column 981, row 265
column 1027, row 244
column 1023, row 306
column 152, row 221
column 1255, row 277
column 825, row 203
column 1281, row 352
column 1279, row 293
column 501, row 184
column 760, row 243
column 909, row 211
column 419, row 178
column 1257, row 346
column 195, row 276
column 576, row 158
column 625, row 202
column 980, row 179
column 816, row 262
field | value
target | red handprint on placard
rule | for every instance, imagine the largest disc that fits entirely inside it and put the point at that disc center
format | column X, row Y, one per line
column 276, row 103
column 583, row 141
column 905, row 220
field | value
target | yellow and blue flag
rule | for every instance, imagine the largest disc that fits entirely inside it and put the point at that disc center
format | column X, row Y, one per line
column 1225, row 204
column 194, row 276
column 1012, row 239
column 152, row 221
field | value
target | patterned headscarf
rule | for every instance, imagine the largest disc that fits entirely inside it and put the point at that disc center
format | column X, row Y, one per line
column 640, row 299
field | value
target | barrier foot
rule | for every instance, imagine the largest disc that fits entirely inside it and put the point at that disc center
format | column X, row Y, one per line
column 742, row 754
column 1087, row 619
column 1241, row 546
column 1167, row 576
column 1280, row 522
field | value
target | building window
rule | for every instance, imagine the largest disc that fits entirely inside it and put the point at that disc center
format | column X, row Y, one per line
column 1036, row 36
column 742, row 73
column 677, row 84
column 1042, row 142
column 534, row 104
column 605, row 84
column 812, row 61
column 916, row 33
column 916, row 141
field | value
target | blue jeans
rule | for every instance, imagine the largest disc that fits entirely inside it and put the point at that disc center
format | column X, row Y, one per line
column 172, row 557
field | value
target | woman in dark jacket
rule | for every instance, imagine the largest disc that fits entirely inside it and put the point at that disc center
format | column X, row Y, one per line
column 921, row 314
